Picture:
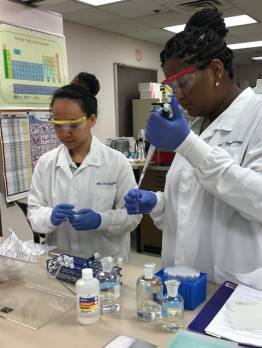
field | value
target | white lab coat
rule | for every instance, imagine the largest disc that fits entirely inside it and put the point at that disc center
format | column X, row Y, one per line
column 211, row 208
column 100, row 183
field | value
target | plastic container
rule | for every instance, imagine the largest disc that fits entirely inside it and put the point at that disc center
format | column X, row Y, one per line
column 87, row 298
column 193, row 291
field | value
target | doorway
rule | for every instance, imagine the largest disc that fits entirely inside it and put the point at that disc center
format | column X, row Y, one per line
column 127, row 79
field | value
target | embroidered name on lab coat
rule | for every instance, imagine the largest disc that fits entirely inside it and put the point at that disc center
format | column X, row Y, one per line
column 106, row 183
column 229, row 143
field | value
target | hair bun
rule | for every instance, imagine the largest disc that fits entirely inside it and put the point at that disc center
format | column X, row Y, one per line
column 208, row 18
column 88, row 81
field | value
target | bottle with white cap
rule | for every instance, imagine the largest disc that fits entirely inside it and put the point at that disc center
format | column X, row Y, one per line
column 87, row 298
column 149, row 290
column 172, row 307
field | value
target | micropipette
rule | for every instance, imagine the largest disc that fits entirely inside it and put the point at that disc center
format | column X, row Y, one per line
column 164, row 109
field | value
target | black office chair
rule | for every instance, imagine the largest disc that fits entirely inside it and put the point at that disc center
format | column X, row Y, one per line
column 37, row 236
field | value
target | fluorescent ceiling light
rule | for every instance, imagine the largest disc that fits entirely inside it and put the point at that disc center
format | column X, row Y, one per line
column 229, row 21
column 99, row 2
column 239, row 20
column 240, row 46
column 257, row 58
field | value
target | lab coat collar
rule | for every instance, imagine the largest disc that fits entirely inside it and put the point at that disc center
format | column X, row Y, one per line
column 93, row 158
column 226, row 120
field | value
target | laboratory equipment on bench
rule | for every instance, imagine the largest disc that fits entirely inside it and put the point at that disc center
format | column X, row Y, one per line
column 149, row 290
column 87, row 298
column 109, row 286
column 193, row 284
column 172, row 307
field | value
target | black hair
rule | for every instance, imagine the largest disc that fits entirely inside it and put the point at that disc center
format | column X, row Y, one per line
column 202, row 40
column 82, row 90
column 88, row 81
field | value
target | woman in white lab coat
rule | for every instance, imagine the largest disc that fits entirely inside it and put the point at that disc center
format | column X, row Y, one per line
column 77, row 191
column 211, row 208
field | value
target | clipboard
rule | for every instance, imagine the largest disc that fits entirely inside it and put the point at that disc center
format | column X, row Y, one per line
column 212, row 307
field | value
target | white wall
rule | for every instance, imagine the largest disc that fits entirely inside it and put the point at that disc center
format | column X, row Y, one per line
column 31, row 18
column 96, row 51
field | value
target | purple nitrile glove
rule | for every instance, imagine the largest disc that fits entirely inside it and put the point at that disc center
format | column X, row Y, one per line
column 61, row 213
column 85, row 219
column 140, row 201
column 165, row 133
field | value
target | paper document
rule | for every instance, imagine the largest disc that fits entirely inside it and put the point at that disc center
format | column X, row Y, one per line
column 221, row 326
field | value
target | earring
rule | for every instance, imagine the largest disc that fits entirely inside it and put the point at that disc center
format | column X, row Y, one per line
column 217, row 83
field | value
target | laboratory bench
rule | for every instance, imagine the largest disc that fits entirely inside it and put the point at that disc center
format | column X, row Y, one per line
column 66, row 332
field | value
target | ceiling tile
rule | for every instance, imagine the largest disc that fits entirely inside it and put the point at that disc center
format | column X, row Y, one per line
column 91, row 17
column 158, row 34
column 247, row 29
column 124, row 26
column 133, row 8
column 163, row 19
column 252, row 8
column 63, row 6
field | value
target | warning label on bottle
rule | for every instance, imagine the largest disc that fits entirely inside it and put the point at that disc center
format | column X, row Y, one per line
column 88, row 304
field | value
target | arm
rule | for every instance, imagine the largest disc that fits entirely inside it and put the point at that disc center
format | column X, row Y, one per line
column 239, row 187
column 117, row 220
column 38, row 211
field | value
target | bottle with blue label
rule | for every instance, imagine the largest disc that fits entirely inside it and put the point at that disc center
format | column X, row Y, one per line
column 87, row 298
column 109, row 286
column 172, row 307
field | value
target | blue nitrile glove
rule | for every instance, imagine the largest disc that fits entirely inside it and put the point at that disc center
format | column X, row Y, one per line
column 86, row 219
column 164, row 133
column 61, row 213
column 140, row 201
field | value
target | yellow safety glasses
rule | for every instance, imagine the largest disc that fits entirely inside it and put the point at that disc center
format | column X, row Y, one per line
column 71, row 124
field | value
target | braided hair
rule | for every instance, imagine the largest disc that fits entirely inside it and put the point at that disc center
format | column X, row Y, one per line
column 201, row 41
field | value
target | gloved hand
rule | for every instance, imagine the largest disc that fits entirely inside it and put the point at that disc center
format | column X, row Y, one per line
column 86, row 219
column 164, row 133
column 61, row 213
column 140, row 201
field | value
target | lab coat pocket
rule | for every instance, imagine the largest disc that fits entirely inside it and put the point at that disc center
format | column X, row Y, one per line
column 103, row 198
column 252, row 279
column 234, row 151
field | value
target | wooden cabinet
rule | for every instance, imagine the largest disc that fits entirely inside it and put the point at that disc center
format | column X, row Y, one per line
column 150, row 236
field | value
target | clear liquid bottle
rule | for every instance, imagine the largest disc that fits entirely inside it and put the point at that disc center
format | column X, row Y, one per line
column 149, row 289
column 109, row 292
column 172, row 307
column 87, row 298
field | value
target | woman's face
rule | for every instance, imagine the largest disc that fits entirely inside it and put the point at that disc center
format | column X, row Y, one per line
column 72, row 135
column 195, row 91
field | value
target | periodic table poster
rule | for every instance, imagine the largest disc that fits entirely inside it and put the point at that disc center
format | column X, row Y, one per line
column 32, row 66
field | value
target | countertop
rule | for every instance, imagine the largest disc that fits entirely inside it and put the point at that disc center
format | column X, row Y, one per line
column 67, row 333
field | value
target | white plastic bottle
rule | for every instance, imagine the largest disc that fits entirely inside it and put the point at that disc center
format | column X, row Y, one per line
column 87, row 298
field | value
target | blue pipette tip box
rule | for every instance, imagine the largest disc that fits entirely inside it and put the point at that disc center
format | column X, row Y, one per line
column 193, row 291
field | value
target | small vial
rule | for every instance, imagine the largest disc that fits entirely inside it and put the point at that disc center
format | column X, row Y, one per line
column 87, row 298
column 172, row 307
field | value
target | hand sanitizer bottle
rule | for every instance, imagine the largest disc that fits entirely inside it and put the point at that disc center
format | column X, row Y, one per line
column 172, row 307
column 109, row 291
column 87, row 298
column 149, row 289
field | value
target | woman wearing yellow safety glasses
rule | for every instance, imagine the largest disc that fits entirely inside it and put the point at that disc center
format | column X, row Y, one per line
column 211, row 210
column 77, row 190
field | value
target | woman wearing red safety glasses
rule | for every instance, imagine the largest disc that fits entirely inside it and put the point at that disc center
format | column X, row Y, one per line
column 211, row 209
column 77, row 192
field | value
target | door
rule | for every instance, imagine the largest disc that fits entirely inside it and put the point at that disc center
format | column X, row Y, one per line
column 127, row 79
